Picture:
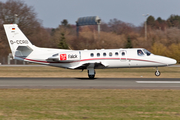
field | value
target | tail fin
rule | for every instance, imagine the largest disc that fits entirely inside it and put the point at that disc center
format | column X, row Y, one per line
column 18, row 42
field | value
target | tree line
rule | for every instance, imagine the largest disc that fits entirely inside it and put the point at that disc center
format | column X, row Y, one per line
column 163, row 36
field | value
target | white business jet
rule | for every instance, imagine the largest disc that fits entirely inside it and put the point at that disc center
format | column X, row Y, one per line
column 22, row 49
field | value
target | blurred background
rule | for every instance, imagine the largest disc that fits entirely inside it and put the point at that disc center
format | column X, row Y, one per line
column 49, row 24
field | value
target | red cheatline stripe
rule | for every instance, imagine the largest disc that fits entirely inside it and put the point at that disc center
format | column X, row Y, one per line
column 36, row 60
column 32, row 60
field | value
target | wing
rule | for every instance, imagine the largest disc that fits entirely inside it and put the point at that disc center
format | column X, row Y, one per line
column 96, row 65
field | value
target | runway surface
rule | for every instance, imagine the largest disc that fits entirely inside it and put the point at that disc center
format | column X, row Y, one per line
column 85, row 83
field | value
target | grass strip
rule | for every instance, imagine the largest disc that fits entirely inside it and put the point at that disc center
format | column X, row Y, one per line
column 75, row 104
column 166, row 72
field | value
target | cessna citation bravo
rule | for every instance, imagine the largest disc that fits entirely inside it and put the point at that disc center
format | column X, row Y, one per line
column 22, row 49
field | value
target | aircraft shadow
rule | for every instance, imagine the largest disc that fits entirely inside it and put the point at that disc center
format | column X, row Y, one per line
column 85, row 78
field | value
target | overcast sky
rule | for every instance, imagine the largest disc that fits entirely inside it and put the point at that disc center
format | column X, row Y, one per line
column 52, row 12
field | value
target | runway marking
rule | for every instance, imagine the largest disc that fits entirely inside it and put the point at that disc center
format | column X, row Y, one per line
column 158, row 81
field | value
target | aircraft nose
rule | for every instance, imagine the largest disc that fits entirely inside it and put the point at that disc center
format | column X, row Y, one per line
column 171, row 61
column 166, row 60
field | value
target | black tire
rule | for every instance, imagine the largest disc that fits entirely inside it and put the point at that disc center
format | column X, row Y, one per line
column 91, row 76
column 157, row 73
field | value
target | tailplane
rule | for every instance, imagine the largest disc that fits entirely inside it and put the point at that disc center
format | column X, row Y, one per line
column 18, row 42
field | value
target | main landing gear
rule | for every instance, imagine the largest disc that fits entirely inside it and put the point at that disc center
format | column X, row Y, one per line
column 157, row 73
column 91, row 73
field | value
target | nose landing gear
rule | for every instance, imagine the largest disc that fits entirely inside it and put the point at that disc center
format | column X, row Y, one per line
column 157, row 73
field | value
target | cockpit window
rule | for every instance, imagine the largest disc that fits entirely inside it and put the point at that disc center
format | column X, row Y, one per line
column 147, row 52
column 140, row 52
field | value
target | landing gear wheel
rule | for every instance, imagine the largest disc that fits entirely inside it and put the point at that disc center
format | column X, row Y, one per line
column 157, row 73
column 91, row 72
column 91, row 76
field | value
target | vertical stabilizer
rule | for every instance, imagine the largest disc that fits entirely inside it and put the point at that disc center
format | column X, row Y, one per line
column 16, row 38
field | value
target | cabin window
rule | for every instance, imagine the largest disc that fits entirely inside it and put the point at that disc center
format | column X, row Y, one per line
column 123, row 53
column 92, row 55
column 110, row 54
column 104, row 54
column 140, row 52
column 116, row 53
column 98, row 54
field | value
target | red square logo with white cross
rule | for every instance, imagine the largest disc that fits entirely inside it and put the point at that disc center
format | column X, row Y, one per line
column 63, row 57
